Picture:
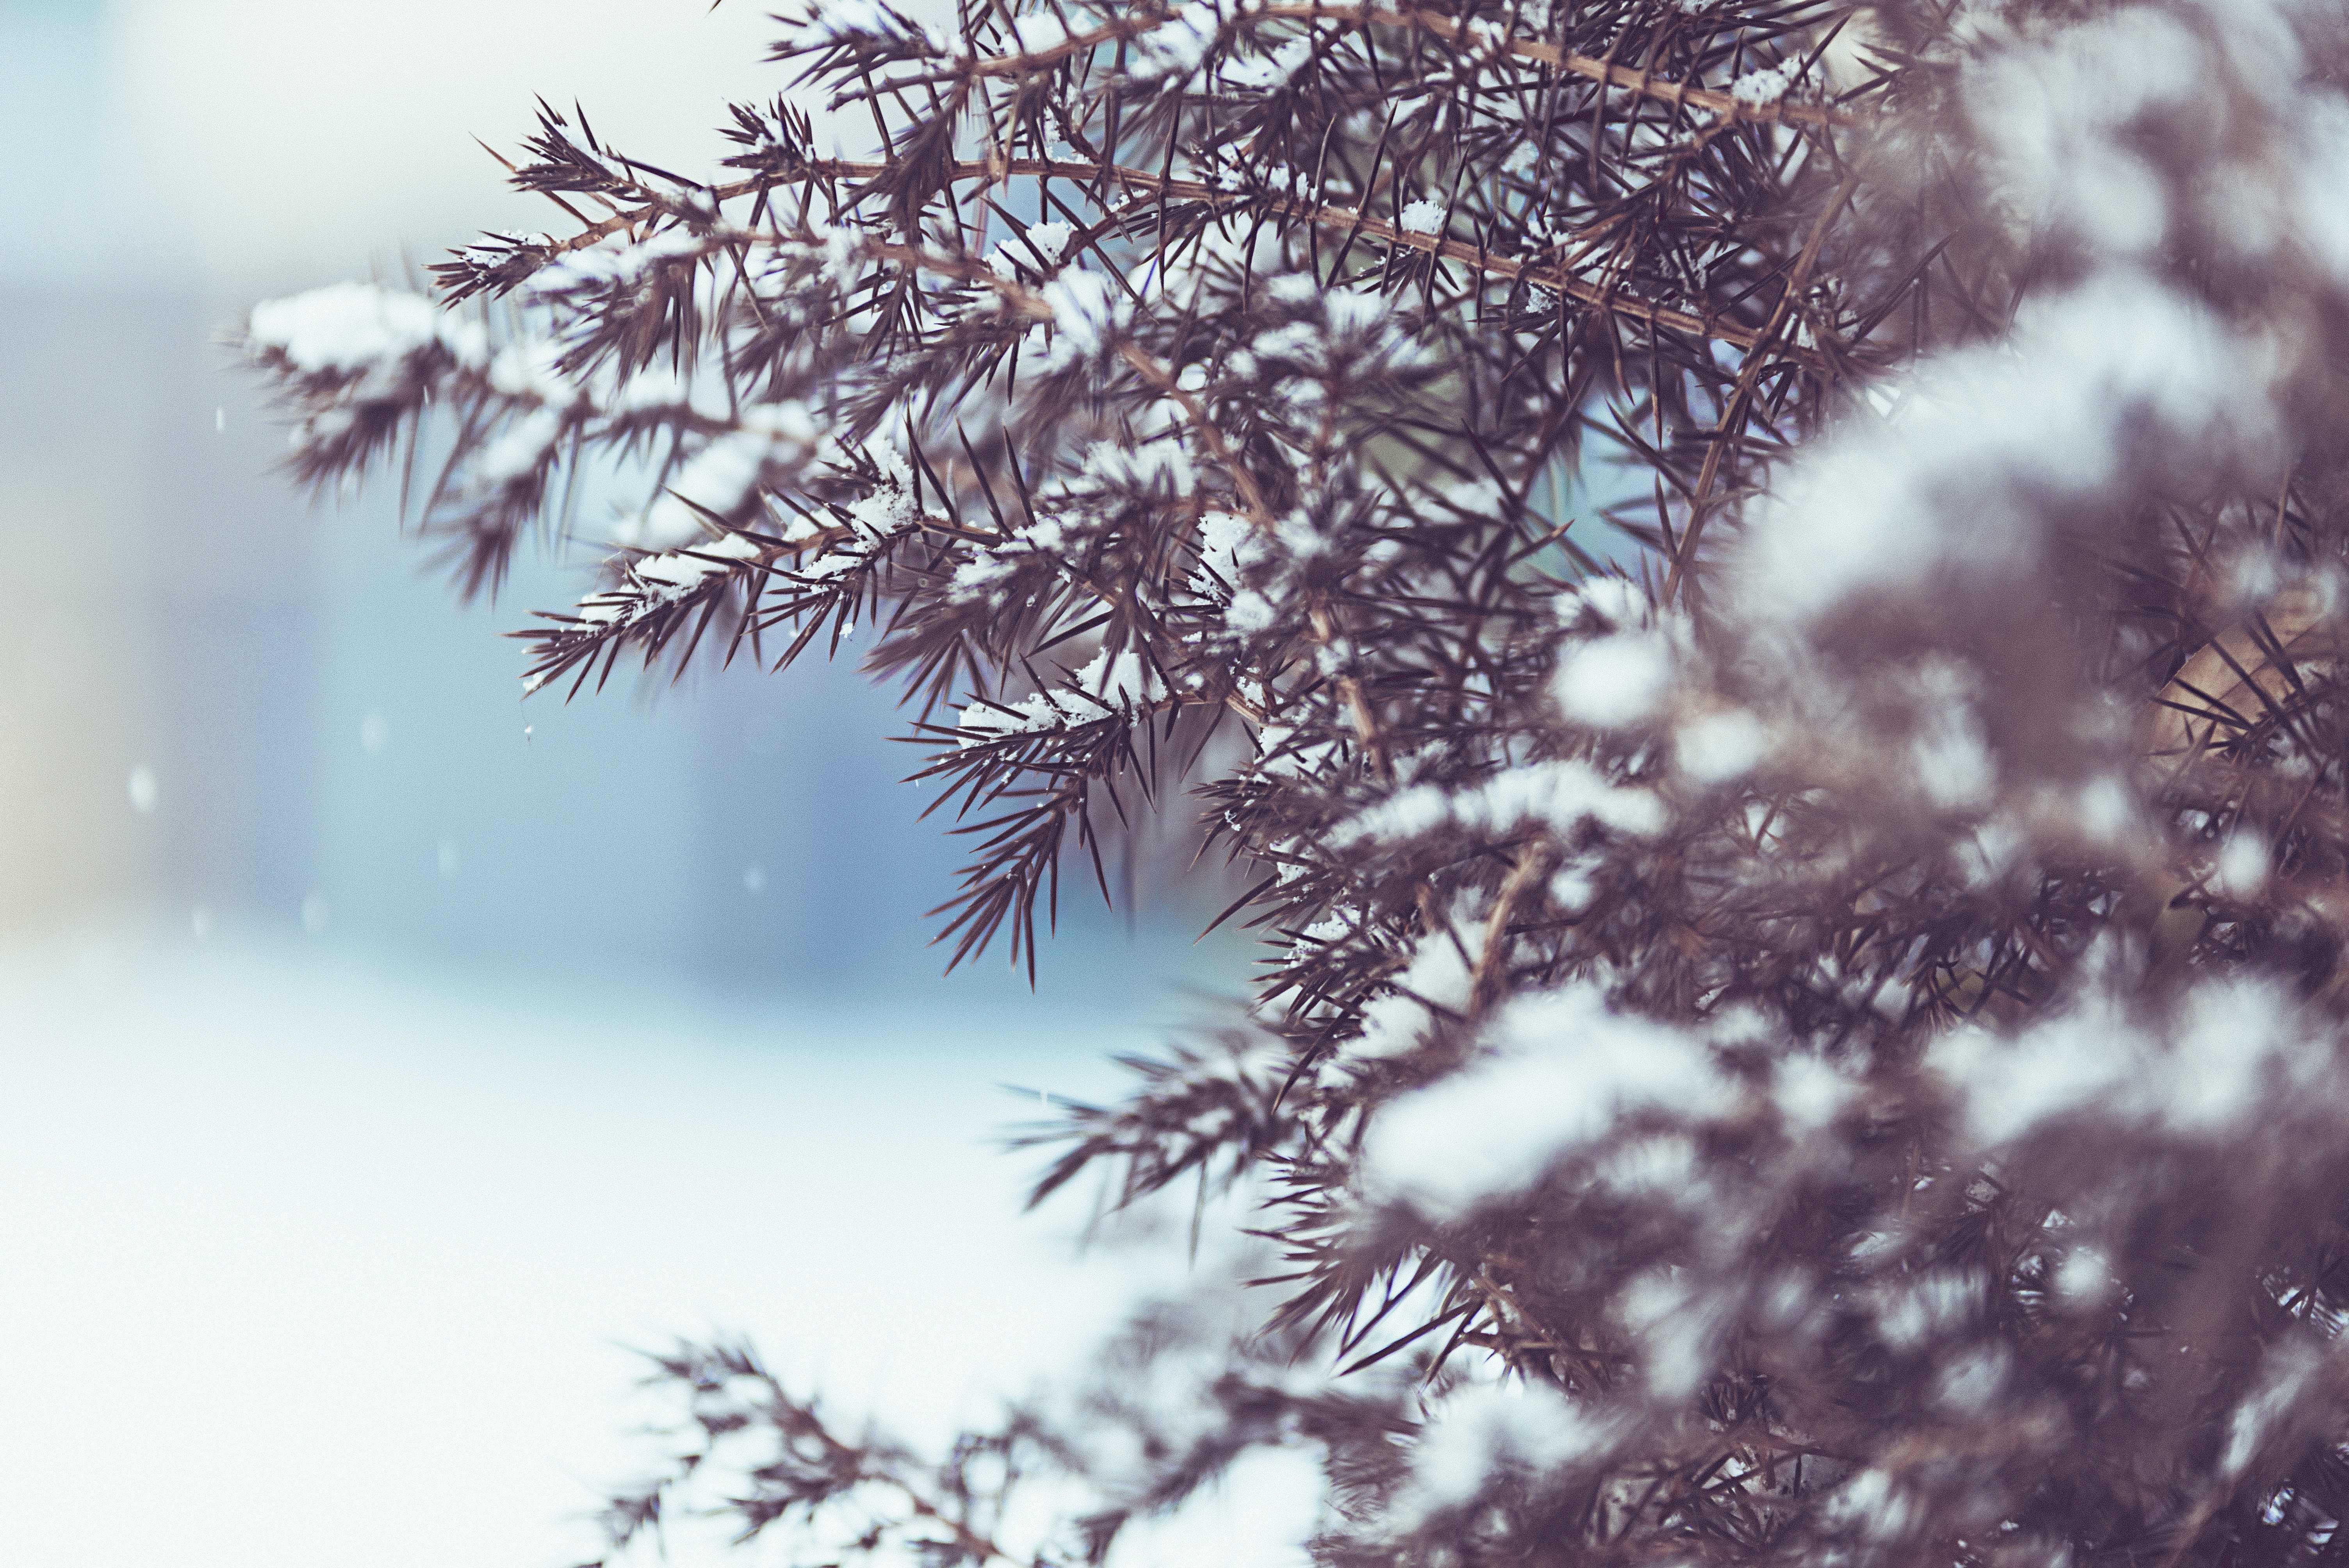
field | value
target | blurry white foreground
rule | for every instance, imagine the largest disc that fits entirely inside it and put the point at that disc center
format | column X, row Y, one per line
column 310, row 1264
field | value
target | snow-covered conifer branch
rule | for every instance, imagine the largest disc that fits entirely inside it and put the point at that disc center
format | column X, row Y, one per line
column 1755, row 595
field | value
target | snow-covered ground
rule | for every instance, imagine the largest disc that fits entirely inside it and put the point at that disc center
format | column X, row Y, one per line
column 310, row 1260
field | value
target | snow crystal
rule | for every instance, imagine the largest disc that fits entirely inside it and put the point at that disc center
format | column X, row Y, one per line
column 1872, row 1501
column 832, row 564
column 1808, row 1092
column 2084, row 1277
column 1293, row 340
column 1759, row 89
column 840, row 250
column 345, row 327
column 1051, row 238
column 1612, row 599
column 1300, row 534
column 1969, row 1385
column 1662, row 1165
column 1359, row 312
column 659, row 386
column 1049, row 241
column 977, row 576
column 1952, row 762
column 1916, row 1309
column 1424, row 216
column 2323, row 220
column 837, row 21
column 2286, row 1375
column 2060, row 116
column 1674, row 1328
column 1048, row 532
column 1481, row 498
column 1568, row 1071
column 2105, row 809
column 2116, row 375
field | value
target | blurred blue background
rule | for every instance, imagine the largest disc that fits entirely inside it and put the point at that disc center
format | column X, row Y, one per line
column 378, row 1050
column 314, row 724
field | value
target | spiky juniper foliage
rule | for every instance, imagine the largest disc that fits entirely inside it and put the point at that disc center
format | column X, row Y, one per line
column 1758, row 589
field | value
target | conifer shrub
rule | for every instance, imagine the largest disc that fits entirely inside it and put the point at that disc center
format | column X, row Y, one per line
column 1756, row 591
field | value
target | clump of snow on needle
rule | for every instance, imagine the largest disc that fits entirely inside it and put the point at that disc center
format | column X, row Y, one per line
column 1567, row 1070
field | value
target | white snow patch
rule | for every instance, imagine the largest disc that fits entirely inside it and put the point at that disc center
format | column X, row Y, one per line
column 2235, row 1051
column 521, row 448
column 1424, row 216
column 1760, row 89
column 1990, row 440
column 1561, row 794
column 1038, row 34
column 1148, row 467
column 1177, row 49
column 1720, row 747
column 528, row 368
column 1481, row 1431
column 2242, row 869
column 1111, row 684
column 1567, row 1071
column 1616, row 680
column 721, row 478
column 361, row 329
column 1228, row 545
column 1271, row 70
column 1437, row 977
column 1084, row 313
